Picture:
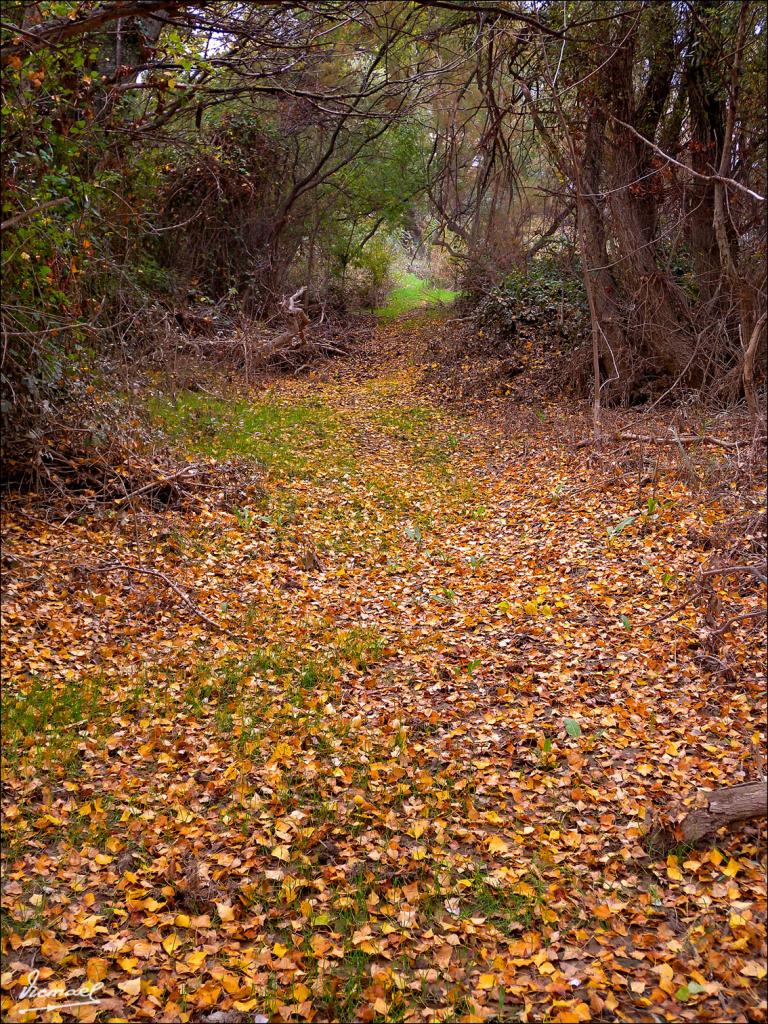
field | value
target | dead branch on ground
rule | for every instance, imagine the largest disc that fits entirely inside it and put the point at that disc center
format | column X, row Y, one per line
column 156, row 574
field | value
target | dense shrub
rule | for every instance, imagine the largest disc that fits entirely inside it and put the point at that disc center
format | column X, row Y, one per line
column 376, row 265
column 544, row 303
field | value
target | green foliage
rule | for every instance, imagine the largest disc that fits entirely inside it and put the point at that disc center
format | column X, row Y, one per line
column 75, row 199
column 546, row 299
column 572, row 727
column 614, row 531
column 376, row 259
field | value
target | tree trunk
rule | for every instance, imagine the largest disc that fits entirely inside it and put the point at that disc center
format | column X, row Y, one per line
column 654, row 300
column 749, row 369
column 707, row 118
column 610, row 340
column 725, row 807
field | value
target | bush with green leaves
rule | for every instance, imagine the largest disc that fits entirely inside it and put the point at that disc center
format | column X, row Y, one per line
column 544, row 302
column 376, row 261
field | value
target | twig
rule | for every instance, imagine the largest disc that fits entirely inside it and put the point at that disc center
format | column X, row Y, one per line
column 735, row 568
column 686, row 457
column 672, row 611
column 156, row 574
column 689, row 170
column 156, row 483
column 698, row 593
column 738, row 618
column 31, row 213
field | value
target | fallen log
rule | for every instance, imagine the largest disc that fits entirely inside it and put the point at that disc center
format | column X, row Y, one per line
column 725, row 807
column 678, row 439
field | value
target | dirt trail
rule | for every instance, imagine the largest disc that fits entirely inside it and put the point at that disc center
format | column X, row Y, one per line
column 420, row 788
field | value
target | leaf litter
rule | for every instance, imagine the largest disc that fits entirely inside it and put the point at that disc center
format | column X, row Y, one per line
column 415, row 774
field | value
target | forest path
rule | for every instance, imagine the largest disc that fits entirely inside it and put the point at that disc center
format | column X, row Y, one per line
column 416, row 787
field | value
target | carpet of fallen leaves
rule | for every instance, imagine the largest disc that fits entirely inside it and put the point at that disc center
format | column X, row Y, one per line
column 415, row 775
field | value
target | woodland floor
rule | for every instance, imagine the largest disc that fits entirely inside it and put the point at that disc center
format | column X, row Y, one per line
column 415, row 779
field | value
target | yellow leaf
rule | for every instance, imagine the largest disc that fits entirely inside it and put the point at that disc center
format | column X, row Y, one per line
column 171, row 943
column 208, row 995
column 279, row 949
column 131, row 988
column 361, row 935
column 300, row 993
column 666, row 974
column 182, row 921
column 197, row 959
column 225, row 912
column 486, row 981
column 497, row 845
column 282, row 853
column 574, row 1015
column 752, row 969
column 54, row 950
column 731, row 868
column 281, row 752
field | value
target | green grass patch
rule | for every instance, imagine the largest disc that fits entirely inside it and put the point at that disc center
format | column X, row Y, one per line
column 505, row 909
column 41, row 722
column 291, row 440
column 409, row 421
column 430, row 445
column 361, row 646
column 411, row 293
